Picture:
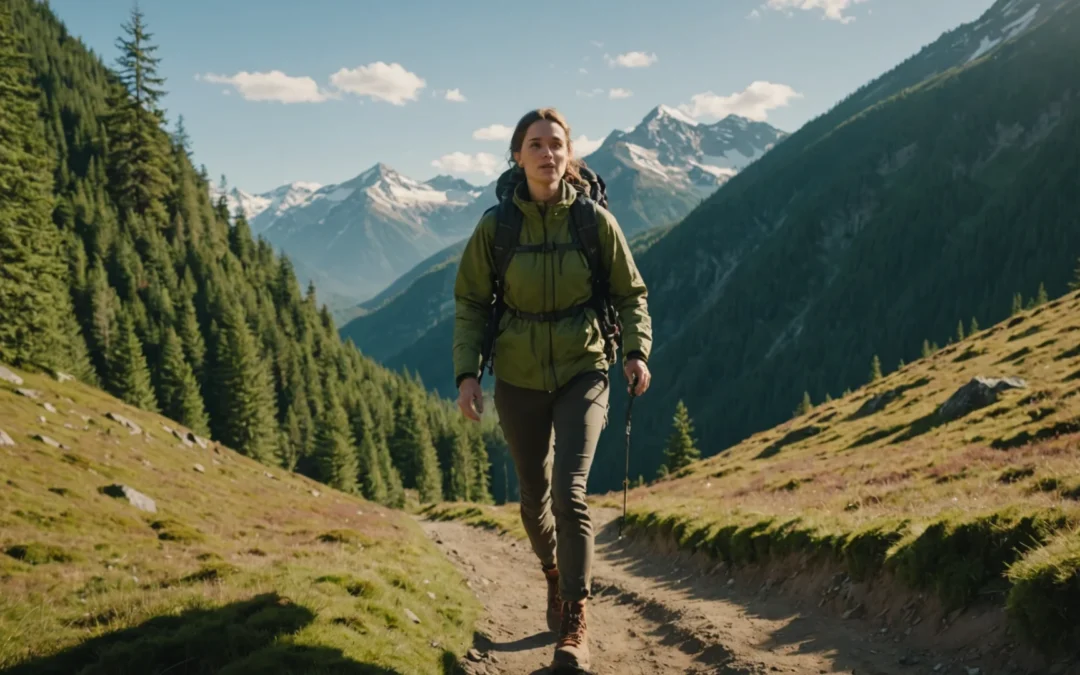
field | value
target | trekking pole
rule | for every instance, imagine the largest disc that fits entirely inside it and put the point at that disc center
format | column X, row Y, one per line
column 626, row 475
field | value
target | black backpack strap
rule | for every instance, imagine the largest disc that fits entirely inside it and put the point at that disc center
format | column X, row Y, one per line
column 586, row 227
column 587, row 230
column 508, row 222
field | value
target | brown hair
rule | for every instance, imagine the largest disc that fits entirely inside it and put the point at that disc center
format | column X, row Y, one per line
column 517, row 140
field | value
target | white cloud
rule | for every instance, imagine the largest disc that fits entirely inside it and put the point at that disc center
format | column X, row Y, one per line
column 620, row 93
column 495, row 132
column 755, row 14
column 381, row 81
column 270, row 86
column 460, row 162
column 597, row 43
column 632, row 60
column 833, row 9
column 754, row 102
column 455, row 95
column 589, row 94
column 583, row 71
column 583, row 146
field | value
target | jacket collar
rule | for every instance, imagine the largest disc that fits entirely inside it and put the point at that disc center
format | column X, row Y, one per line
column 567, row 194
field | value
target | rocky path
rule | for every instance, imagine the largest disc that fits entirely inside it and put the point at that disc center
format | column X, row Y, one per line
column 649, row 616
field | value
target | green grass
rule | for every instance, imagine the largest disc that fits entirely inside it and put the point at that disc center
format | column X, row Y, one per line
column 981, row 509
column 235, row 573
column 501, row 519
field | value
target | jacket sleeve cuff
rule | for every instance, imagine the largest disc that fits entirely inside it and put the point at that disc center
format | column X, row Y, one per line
column 637, row 354
column 462, row 377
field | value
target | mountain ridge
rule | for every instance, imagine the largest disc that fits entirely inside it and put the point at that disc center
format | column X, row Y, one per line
column 655, row 174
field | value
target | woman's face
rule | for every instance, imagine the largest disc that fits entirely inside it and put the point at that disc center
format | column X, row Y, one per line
column 545, row 152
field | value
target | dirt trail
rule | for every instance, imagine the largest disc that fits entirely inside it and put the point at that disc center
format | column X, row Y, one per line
column 649, row 616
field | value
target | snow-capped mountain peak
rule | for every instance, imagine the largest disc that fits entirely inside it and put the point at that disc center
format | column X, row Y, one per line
column 664, row 111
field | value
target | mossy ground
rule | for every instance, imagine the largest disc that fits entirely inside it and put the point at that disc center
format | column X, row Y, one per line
column 238, row 571
column 982, row 508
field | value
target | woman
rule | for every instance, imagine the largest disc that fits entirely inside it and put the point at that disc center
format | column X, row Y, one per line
column 551, row 388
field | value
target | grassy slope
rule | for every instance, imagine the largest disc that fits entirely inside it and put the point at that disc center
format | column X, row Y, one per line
column 503, row 519
column 984, row 506
column 237, row 572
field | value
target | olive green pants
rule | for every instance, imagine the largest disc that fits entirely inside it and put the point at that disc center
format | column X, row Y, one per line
column 552, row 438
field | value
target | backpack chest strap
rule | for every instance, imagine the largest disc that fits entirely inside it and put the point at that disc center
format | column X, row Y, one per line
column 549, row 317
column 547, row 247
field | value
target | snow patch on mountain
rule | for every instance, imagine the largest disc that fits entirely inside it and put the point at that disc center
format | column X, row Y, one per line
column 991, row 33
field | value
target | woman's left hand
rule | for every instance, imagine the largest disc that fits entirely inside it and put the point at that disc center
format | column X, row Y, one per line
column 641, row 370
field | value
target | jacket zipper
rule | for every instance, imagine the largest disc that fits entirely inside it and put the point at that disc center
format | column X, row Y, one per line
column 545, row 210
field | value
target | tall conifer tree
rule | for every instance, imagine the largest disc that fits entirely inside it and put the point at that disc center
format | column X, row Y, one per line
column 138, row 143
column 334, row 446
column 129, row 376
column 33, row 278
column 178, row 391
column 245, row 415
column 681, row 450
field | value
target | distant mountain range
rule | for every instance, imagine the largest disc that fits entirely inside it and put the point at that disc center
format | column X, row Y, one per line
column 354, row 239
column 928, row 198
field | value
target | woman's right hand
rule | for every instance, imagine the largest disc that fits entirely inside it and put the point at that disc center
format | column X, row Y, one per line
column 468, row 392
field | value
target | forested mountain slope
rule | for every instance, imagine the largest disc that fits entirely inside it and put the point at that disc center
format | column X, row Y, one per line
column 118, row 268
column 872, row 231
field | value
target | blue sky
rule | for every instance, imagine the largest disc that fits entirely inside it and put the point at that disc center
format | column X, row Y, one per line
column 413, row 83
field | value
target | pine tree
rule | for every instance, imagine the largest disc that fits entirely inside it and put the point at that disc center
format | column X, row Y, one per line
column 663, row 471
column 395, row 490
column 244, row 419
column 129, row 377
column 805, row 406
column 33, row 278
column 1017, row 305
column 479, row 481
column 974, row 328
column 926, row 351
column 372, row 483
column 178, row 391
column 900, row 365
column 460, row 469
column 334, row 446
column 960, row 331
column 290, row 444
column 429, row 480
column 681, row 451
column 137, row 142
column 192, row 339
column 1041, row 297
column 1074, row 285
column 875, row 369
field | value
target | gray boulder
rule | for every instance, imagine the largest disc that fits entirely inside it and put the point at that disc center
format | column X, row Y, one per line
column 134, row 497
column 8, row 376
column 978, row 393
column 132, row 427
column 5, row 439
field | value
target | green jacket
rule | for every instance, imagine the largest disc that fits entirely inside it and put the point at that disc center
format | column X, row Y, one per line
column 546, row 355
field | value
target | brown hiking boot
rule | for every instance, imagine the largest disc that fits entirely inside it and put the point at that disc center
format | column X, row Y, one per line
column 572, row 650
column 554, row 600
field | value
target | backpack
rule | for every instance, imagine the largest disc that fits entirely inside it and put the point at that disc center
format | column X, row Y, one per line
column 586, row 236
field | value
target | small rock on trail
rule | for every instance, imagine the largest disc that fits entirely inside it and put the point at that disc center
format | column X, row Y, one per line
column 5, row 439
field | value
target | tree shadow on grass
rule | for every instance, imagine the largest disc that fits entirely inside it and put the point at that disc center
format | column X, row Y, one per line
column 243, row 638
